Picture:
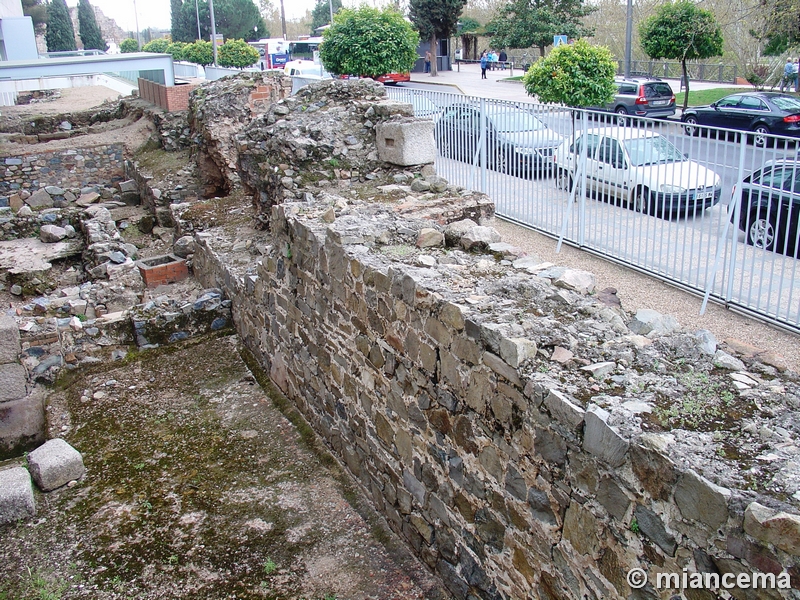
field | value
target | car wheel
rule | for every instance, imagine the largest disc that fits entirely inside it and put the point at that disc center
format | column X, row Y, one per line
column 445, row 147
column 641, row 201
column 760, row 133
column 501, row 160
column 761, row 231
column 622, row 116
column 564, row 180
column 690, row 126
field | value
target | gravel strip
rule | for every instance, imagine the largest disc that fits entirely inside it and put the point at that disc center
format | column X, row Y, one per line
column 636, row 290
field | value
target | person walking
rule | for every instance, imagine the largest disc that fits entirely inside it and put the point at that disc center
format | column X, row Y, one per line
column 788, row 71
column 428, row 61
column 503, row 58
column 485, row 62
column 796, row 74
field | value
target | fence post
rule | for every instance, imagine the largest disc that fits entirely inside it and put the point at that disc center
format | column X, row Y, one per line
column 719, row 78
column 484, row 145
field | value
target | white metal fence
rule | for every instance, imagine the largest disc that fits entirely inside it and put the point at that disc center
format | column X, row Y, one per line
column 672, row 210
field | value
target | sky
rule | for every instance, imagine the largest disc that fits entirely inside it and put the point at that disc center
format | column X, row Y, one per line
column 155, row 13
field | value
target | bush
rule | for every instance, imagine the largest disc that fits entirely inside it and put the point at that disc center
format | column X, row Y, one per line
column 158, row 46
column 128, row 45
column 237, row 53
column 199, row 52
column 175, row 49
column 757, row 76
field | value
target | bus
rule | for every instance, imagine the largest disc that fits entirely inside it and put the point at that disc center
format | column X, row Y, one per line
column 273, row 53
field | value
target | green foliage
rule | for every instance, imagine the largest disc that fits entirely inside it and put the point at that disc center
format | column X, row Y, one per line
column 158, row 46
column 60, row 35
column 576, row 75
column 634, row 525
column 90, row 33
column 527, row 23
column 370, row 42
column 236, row 19
column 199, row 52
column 435, row 18
column 236, row 53
column 269, row 567
column 128, row 45
column 175, row 49
column 776, row 22
column 183, row 23
column 37, row 11
column 321, row 15
column 467, row 25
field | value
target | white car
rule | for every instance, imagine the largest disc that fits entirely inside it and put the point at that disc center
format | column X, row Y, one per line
column 639, row 167
column 306, row 68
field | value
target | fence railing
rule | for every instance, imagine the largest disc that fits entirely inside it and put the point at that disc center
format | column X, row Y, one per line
column 648, row 195
column 719, row 72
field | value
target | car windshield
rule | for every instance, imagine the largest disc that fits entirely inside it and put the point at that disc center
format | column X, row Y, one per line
column 652, row 150
column 789, row 103
column 516, row 121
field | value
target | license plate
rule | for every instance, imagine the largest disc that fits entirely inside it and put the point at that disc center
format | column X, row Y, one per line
column 659, row 102
column 704, row 195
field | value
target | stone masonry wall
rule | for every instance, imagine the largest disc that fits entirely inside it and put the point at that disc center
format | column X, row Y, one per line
column 64, row 168
column 432, row 379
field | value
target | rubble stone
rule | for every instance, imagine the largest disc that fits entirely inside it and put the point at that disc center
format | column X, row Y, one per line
column 16, row 495
column 55, row 463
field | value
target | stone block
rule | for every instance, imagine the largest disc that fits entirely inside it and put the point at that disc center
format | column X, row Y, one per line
column 700, row 500
column 582, row 282
column 651, row 525
column 54, row 464
column 40, row 199
column 652, row 323
column 13, row 379
column 601, row 440
column 406, row 143
column 563, row 410
column 781, row 529
column 16, row 495
column 516, row 351
column 22, row 424
column 9, row 340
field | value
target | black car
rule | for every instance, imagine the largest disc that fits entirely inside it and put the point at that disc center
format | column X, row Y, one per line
column 517, row 142
column 770, row 205
column 760, row 112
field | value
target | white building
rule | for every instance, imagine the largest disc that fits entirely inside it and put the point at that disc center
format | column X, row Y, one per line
column 17, row 39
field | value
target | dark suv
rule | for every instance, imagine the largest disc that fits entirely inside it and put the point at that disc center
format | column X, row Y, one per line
column 642, row 97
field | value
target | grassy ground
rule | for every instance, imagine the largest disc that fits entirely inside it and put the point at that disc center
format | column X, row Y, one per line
column 703, row 97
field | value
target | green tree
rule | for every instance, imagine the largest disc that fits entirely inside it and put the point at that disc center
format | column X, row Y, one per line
column 776, row 22
column 533, row 23
column 235, row 19
column 577, row 75
column 199, row 52
column 60, row 36
column 183, row 24
column 321, row 14
column 90, row 33
column 236, row 53
column 175, row 49
column 128, row 45
column 37, row 11
column 159, row 46
column 435, row 19
column 681, row 31
column 369, row 42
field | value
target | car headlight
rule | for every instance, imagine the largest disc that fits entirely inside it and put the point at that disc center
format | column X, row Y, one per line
column 671, row 189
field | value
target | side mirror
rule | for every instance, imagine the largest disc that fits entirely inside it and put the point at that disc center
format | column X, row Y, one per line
column 714, row 106
column 686, row 155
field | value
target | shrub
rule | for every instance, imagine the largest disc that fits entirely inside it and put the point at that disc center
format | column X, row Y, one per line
column 158, row 46
column 199, row 52
column 237, row 53
column 176, row 50
column 128, row 45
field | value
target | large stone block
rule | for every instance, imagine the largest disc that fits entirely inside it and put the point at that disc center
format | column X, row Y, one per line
column 406, row 143
column 21, row 425
column 700, row 500
column 601, row 440
column 54, row 464
column 16, row 495
column 781, row 529
column 9, row 340
column 13, row 379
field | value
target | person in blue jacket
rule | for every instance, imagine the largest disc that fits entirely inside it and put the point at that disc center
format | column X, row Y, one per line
column 484, row 63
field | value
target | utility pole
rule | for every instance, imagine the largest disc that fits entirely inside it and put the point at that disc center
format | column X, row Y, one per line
column 283, row 21
column 213, row 30
column 628, row 28
column 138, row 36
column 330, row 5
column 197, row 13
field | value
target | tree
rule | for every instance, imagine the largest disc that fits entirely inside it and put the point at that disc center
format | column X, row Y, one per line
column 37, row 11
column 578, row 75
column 777, row 23
column 159, row 46
column 128, row 45
column 369, row 42
column 435, row 19
column 321, row 15
column 235, row 19
column 199, row 52
column 526, row 23
column 175, row 49
column 183, row 24
column 681, row 31
column 237, row 53
column 90, row 33
column 60, row 35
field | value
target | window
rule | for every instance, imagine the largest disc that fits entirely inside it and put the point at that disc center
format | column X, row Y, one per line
column 592, row 142
column 779, row 177
column 751, row 103
column 610, row 152
column 729, row 102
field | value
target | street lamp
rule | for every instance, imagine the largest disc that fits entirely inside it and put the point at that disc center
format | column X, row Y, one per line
column 213, row 31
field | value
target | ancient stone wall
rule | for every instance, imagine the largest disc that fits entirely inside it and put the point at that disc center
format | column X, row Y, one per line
column 500, row 417
column 79, row 167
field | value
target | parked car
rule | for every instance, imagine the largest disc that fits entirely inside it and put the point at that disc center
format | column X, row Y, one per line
column 306, row 68
column 642, row 97
column 516, row 140
column 425, row 108
column 760, row 112
column 641, row 168
column 769, row 206
column 393, row 78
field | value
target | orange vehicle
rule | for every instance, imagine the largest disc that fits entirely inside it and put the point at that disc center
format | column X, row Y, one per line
column 393, row 78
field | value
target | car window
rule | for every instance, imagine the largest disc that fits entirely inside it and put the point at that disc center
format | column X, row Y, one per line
column 610, row 152
column 516, row 121
column 626, row 88
column 752, row 103
column 656, row 90
column 652, row 150
column 591, row 140
column 786, row 102
column 796, row 181
column 729, row 101
column 779, row 177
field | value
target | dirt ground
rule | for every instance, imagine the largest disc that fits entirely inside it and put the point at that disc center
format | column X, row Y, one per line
column 198, row 486
column 67, row 100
